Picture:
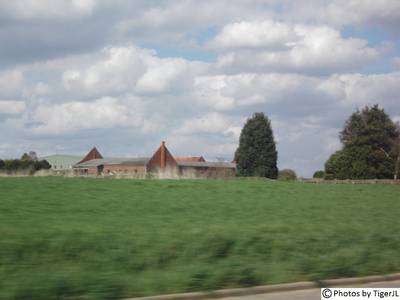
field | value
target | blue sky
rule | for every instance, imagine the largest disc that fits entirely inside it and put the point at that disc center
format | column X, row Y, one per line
column 124, row 75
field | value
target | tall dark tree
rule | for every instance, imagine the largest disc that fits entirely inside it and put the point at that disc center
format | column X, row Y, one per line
column 256, row 154
column 368, row 151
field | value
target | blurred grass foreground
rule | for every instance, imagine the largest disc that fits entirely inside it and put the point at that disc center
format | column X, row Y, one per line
column 81, row 238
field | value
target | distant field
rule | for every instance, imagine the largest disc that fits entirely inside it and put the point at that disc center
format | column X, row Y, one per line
column 76, row 238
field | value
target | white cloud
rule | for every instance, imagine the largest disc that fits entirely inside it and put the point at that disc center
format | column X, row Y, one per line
column 84, row 6
column 38, row 90
column 358, row 89
column 130, row 69
column 264, row 34
column 173, row 21
column 227, row 92
column 113, row 69
column 11, row 107
column 210, row 123
column 211, row 90
column 10, row 82
column 300, row 48
column 105, row 112
column 53, row 9
column 233, row 92
column 346, row 12
column 160, row 75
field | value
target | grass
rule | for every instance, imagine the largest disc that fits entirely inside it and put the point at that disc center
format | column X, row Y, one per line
column 77, row 238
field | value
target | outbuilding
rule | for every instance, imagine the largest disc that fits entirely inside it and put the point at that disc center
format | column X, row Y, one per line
column 161, row 164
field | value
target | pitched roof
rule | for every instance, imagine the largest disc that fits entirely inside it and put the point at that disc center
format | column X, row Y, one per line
column 201, row 164
column 139, row 161
column 66, row 156
column 61, row 161
column 93, row 154
column 161, row 159
column 189, row 158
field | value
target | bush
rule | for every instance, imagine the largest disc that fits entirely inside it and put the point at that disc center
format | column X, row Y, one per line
column 358, row 163
column 287, row 174
column 319, row 174
column 41, row 165
column 31, row 166
column 12, row 165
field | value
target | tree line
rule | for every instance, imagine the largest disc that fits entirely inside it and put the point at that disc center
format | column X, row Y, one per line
column 25, row 164
column 370, row 149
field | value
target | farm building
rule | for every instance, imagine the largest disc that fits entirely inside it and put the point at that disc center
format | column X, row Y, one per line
column 162, row 163
column 189, row 158
column 61, row 162
column 194, row 169
column 94, row 164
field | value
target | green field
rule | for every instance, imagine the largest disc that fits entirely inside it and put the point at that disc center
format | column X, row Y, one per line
column 77, row 238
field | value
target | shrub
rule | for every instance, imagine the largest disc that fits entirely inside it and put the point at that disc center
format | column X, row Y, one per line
column 287, row 174
column 319, row 174
column 12, row 165
column 41, row 165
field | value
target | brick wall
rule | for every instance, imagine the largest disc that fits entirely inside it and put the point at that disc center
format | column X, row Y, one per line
column 140, row 171
column 124, row 169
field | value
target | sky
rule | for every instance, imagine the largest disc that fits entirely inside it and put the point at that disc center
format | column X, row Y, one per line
column 123, row 75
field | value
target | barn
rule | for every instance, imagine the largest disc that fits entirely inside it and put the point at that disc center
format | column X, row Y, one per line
column 161, row 164
column 189, row 158
column 95, row 164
